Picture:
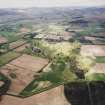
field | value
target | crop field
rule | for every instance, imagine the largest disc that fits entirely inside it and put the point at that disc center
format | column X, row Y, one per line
column 24, row 30
column 100, row 59
column 54, row 29
column 22, row 70
column 96, row 77
column 21, row 48
column 93, row 50
column 5, row 58
column 11, row 36
column 98, row 68
column 45, row 49
column 53, row 96
column 86, row 39
column 16, row 44
column 47, row 81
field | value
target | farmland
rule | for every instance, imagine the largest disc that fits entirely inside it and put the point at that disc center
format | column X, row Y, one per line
column 15, row 72
column 43, row 52
column 8, row 57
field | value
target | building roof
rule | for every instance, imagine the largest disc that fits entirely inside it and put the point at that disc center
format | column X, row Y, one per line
column 3, row 40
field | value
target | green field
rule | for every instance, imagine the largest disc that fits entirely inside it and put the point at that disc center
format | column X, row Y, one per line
column 5, row 58
column 90, row 32
column 48, row 80
column 100, row 59
column 95, row 77
column 11, row 36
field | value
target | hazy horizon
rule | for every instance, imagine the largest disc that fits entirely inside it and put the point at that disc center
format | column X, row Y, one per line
column 50, row 3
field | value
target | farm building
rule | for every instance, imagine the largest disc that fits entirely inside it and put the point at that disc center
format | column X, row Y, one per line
column 55, row 37
column 36, row 49
column 58, row 38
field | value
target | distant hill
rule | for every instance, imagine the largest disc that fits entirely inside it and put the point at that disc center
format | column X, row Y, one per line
column 51, row 14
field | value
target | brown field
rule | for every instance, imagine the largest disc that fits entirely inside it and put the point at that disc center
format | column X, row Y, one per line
column 17, row 43
column 93, row 50
column 21, row 48
column 68, row 33
column 3, row 40
column 24, row 67
column 99, row 68
column 24, row 30
column 51, row 97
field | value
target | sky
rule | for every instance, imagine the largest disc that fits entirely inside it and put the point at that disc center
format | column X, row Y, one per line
column 49, row 3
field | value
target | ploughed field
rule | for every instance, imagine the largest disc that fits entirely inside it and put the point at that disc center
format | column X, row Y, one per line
column 22, row 48
column 93, row 50
column 98, row 68
column 17, row 43
column 21, row 71
column 54, row 96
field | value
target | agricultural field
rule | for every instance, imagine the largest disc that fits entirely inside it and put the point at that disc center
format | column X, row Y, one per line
column 52, row 96
column 58, row 71
column 31, row 66
column 46, row 51
column 16, row 44
column 100, row 59
column 4, row 59
column 95, row 77
column 93, row 50
column 93, row 35
column 10, row 36
column 22, row 48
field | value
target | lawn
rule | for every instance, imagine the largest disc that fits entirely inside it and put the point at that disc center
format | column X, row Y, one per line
column 100, row 59
column 5, row 58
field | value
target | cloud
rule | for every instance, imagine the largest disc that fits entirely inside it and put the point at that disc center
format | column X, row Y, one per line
column 49, row 3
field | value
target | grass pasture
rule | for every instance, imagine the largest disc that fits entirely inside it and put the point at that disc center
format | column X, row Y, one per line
column 11, row 36
column 47, row 81
column 100, row 59
column 5, row 58
column 96, row 77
